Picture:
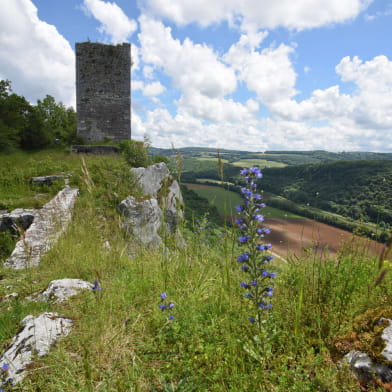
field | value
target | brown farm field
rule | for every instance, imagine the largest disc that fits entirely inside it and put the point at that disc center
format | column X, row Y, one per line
column 296, row 236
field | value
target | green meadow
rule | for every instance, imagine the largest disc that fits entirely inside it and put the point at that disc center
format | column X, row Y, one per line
column 121, row 340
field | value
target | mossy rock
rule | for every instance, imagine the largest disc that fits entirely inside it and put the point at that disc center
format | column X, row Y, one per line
column 365, row 335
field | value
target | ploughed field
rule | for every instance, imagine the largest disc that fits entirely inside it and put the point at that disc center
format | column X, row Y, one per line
column 297, row 236
column 291, row 234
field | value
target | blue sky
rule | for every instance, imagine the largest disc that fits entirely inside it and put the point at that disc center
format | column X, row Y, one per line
column 251, row 75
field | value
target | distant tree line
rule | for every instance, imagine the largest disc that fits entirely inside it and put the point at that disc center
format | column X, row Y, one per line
column 359, row 190
column 32, row 127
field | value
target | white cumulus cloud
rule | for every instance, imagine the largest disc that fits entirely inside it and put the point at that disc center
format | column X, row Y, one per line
column 34, row 55
column 296, row 15
column 191, row 66
column 268, row 72
column 114, row 22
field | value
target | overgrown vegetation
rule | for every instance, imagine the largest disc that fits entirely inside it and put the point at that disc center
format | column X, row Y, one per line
column 32, row 127
column 122, row 341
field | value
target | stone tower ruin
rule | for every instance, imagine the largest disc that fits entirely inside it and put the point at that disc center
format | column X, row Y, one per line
column 103, row 91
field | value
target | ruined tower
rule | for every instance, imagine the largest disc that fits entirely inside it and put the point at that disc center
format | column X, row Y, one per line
column 103, row 91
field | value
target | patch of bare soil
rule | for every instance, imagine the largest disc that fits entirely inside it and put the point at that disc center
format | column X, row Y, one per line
column 295, row 236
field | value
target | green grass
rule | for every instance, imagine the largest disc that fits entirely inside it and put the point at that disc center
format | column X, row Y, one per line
column 17, row 169
column 225, row 201
column 122, row 342
column 262, row 163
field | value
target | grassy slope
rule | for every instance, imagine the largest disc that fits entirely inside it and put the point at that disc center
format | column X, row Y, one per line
column 121, row 341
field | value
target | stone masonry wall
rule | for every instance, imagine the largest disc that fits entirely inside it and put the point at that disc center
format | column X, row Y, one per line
column 103, row 91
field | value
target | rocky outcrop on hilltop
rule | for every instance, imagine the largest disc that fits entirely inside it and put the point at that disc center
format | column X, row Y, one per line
column 161, row 207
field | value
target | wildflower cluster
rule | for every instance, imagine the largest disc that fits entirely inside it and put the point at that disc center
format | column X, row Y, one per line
column 203, row 230
column 96, row 286
column 255, row 256
column 165, row 305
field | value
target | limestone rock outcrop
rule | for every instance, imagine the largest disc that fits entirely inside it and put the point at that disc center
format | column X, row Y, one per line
column 61, row 290
column 18, row 219
column 160, row 208
column 48, row 224
column 367, row 369
column 37, row 336
column 143, row 220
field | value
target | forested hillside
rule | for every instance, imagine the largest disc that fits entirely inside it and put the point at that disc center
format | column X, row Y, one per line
column 361, row 190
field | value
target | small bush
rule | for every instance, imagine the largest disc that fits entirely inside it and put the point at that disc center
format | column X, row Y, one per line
column 135, row 153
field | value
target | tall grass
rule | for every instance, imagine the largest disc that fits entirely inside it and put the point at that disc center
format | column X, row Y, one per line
column 122, row 341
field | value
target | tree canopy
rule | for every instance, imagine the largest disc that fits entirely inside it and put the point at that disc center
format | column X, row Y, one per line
column 29, row 127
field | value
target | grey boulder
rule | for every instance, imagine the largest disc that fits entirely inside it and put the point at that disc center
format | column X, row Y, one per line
column 36, row 338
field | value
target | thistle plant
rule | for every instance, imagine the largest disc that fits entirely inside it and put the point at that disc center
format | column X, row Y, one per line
column 255, row 256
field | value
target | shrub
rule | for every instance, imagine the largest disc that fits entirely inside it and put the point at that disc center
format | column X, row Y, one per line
column 135, row 153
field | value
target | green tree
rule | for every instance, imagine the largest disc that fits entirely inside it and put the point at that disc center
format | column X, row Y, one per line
column 59, row 121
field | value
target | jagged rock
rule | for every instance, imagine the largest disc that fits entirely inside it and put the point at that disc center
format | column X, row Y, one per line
column 386, row 336
column 9, row 297
column 45, row 180
column 62, row 289
column 37, row 336
column 365, row 370
column 144, row 220
column 17, row 219
column 152, row 178
column 157, row 182
column 49, row 222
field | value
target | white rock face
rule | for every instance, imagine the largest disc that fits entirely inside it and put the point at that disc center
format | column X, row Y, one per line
column 362, row 365
column 151, row 178
column 144, row 219
column 387, row 337
column 364, row 369
column 164, row 205
column 61, row 290
column 37, row 336
column 49, row 222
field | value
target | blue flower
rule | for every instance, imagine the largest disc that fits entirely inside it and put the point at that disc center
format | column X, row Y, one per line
column 244, row 268
column 243, row 257
column 256, row 171
column 244, row 172
column 252, row 283
column 171, row 317
column 248, row 295
column 258, row 218
column 244, row 284
column 162, row 306
column 244, row 239
column 251, row 319
column 171, row 305
column 268, row 293
column 257, row 196
column 163, row 295
column 96, row 285
column 263, row 305
column 239, row 208
column 5, row 366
